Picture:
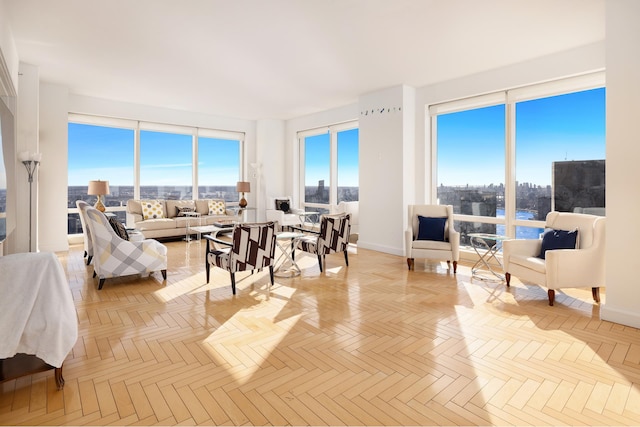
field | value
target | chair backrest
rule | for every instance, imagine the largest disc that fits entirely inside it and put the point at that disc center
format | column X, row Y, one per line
column 88, row 245
column 431, row 211
column 273, row 202
column 588, row 225
column 334, row 233
column 254, row 246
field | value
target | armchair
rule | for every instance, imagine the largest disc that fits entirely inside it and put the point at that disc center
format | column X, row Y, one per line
column 253, row 247
column 333, row 237
column 561, row 268
column 352, row 209
column 279, row 210
column 444, row 247
column 114, row 256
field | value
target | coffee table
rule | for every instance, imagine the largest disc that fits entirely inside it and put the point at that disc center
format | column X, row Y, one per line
column 209, row 229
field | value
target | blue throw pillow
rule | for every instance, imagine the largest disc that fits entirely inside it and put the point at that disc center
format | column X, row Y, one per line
column 558, row 239
column 430, row 228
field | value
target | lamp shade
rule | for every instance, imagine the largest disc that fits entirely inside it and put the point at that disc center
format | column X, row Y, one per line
column 98, row 188
column 243, row 187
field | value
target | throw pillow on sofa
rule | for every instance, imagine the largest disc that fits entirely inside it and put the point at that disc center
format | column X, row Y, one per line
column 152, row 209
column 217, row 207
column 181, row 210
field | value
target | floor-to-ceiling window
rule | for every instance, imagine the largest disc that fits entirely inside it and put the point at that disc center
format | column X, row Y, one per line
column 149, row 161
column 329, row 166
column 504, row 160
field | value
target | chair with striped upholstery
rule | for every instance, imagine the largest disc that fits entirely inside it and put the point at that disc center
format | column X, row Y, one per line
column 252, row 247
column 333, row 237
column 114, row 256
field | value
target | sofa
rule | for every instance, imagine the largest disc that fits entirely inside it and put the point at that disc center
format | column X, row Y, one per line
column 169, row 218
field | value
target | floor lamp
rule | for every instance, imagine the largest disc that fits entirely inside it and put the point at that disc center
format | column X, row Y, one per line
column 30, row 162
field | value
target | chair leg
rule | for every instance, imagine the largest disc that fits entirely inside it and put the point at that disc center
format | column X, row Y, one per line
column 507, row 277
column 346, row 258
column 596, row 294
column 410, row 262
column 89, row 258
column 207, row 269
column 94, row 274
column 455, row 267
column 101, row 283
column 233, row 282
column 271, row 274
column 552, row 296
column 164, row 274
column 320, row 262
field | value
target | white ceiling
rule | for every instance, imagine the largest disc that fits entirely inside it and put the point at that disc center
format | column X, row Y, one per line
column 278, row 59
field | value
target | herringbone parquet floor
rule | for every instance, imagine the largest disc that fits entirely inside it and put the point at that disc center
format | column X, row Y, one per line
column 371, row 344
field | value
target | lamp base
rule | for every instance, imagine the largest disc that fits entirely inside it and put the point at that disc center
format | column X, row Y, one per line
column 243, row 202
column 99, row 205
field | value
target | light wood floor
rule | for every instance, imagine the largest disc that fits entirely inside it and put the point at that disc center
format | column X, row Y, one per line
column 371, row 344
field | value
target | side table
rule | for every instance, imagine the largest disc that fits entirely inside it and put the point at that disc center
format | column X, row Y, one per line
column 287, row 242
column 189, row 217
column 486, row 245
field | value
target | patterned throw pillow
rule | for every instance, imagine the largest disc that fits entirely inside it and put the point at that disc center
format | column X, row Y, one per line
column 152, row 209
column 217, row 207
column 118, row 227
column 180, row 210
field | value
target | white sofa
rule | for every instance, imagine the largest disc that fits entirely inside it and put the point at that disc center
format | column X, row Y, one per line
column 171, row 225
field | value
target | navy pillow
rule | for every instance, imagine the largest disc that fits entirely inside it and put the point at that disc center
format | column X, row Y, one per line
column 558, row 239
column 430, row 228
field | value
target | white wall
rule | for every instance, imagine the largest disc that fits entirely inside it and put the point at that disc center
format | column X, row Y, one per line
column 386, row 167
column 269, row 178
column 27, row 140
column 8, row 53
column 623, row 152
column 52, row 192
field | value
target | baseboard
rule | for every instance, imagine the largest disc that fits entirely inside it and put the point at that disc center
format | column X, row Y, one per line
column 380, row 248
column 622, row 317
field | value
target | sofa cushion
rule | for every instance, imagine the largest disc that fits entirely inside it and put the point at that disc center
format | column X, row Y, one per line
column 532, row 262
column 152, row 209
column 558, row 239
column 217, row 207
column 431, row 244
column 157, row 224
column 173, row 205
column 431, row 228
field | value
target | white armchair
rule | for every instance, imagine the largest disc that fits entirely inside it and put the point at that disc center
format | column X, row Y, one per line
column 280, row 210
column 350, row 208
column 447, row 249
column 561, row 268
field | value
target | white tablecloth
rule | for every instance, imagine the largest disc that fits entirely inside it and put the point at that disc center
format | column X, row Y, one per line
column 37, row 314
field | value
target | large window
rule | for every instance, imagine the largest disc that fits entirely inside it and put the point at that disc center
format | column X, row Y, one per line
column 218, row 168
column 173, row 162
column 329, row 166
column 104, row 153
column 166, row 165
column 505, row 160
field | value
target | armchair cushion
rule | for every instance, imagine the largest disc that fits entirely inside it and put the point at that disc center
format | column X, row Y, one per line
column 558, row 239
column 431, row 228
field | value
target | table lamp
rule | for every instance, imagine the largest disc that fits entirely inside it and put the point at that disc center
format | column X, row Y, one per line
column 98, row 188
column 243, row 187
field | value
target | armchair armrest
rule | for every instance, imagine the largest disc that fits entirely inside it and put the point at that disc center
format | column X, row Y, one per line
column 525, row 247
column 574, row 268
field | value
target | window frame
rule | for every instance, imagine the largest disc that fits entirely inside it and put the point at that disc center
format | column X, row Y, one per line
column 510, row 98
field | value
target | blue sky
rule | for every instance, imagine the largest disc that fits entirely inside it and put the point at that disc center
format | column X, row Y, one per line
column 97, row 152
column 565, row 127
column 317, row 158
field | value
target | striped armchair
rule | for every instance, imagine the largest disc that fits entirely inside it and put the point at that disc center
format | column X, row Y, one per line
column 253, row 247
column 115, row 257
column 332, row 238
